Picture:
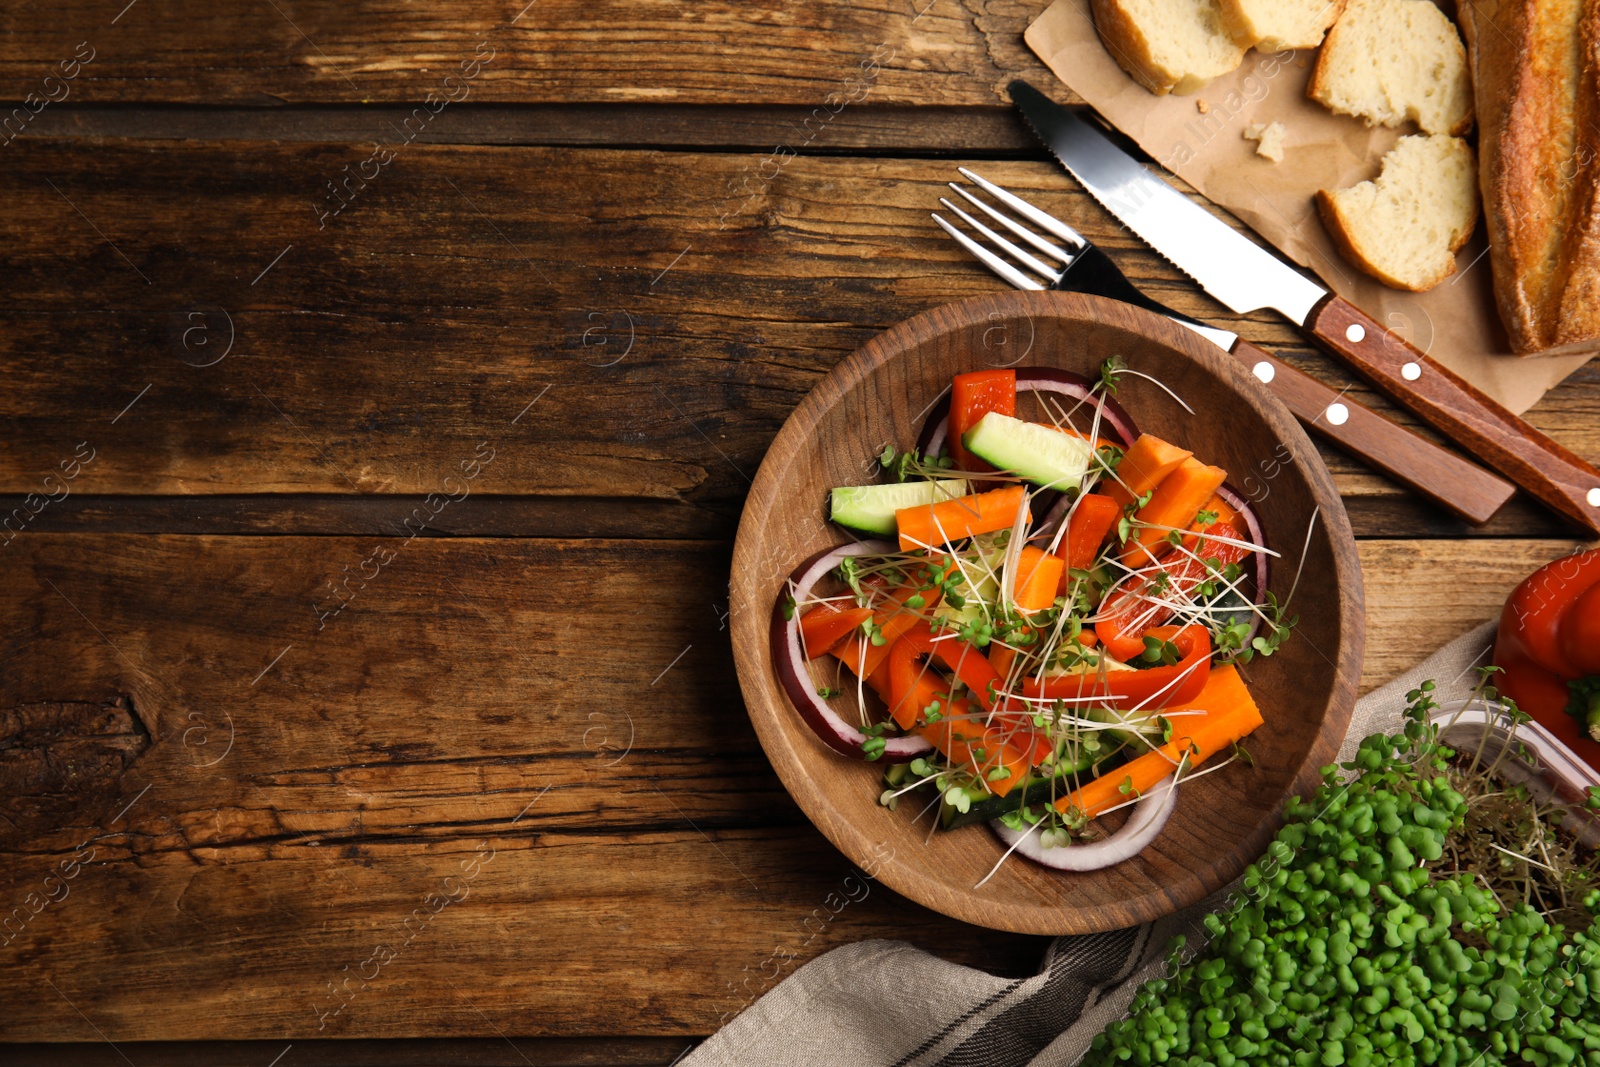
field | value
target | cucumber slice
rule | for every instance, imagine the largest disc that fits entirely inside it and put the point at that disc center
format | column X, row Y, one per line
column 871, row 508
column 1037, row 453
column 1130, row 732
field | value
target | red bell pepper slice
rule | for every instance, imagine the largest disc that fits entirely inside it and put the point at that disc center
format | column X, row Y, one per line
column 825, row 627
column 1129, row 613
column 1156, row 687
column 960, row 737
column 972, row 396
column 965, row 661
column 1092, row 519
column 892, row 619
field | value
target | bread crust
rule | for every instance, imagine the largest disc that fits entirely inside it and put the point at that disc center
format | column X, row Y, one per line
column 1539, row 164
column 1244, row 30
column 1333, row 220
column 1578, row 318
column 1120, row 33
column 1129, row 46
column 1339, row 229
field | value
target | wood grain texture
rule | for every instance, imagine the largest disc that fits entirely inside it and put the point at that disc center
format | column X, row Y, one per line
column 867, row 129
column 1424, row 594
column 1543, row 468
column 377, row 752
column 304, row 791
column 1306, row 691
column 796, row 52
column 378, row 351
column 417, row 1052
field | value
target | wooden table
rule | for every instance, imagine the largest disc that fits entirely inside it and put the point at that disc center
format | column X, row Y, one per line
column 381, row 385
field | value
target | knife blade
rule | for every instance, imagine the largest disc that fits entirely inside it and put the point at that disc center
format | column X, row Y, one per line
column 1441, row 476
column 1247, row 277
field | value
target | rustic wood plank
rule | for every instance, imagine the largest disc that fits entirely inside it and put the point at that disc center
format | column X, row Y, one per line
column 870, row 128
column 416, row 1052
column 1424, row 594
column 479, row 515
column 375, row 354
column 928, row 52
column 294, row 793
column 372, row 756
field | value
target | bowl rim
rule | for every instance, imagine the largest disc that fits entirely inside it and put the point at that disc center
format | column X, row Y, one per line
column 748, row 620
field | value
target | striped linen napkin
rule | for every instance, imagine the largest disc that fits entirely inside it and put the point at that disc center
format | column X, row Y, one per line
column 888, row 1004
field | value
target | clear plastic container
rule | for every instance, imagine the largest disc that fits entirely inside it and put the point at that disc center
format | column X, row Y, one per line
column 1537, row 759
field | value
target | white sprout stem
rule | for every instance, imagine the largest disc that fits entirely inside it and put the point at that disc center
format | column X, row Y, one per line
column 997, row 863
column 1161, row 385
column 1316, row 512
column 1218, row 538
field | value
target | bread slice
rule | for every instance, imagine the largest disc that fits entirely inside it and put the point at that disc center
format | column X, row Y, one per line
column 1168, row 46
column 1395, row 61
column 1405, row 228
column 1280, row 25
column 1535, row 64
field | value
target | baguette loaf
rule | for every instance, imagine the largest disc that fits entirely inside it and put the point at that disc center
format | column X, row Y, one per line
column 1168, row 46
column 1535, row 62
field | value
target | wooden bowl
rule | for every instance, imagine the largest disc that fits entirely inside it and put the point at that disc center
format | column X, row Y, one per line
column 1224, row 820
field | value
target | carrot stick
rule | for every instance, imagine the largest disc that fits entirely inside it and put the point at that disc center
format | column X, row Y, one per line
column 932, row 525
column 1176, row 501
column 1037, row 579
column 1229, row 715
column 1092, row 519
column 1146, row 463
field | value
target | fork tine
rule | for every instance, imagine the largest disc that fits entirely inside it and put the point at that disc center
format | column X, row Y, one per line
column 1054, row 251
column 1025, row 209
column 990, row 260
column 1022, row 256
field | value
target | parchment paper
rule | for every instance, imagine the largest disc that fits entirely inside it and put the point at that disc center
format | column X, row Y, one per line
column 1455, row 322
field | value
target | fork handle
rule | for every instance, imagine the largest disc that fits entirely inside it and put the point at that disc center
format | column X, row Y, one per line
column 1448, row 480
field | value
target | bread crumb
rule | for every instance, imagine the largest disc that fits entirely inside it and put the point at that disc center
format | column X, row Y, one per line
column 1201, row 106
column 1268, row 138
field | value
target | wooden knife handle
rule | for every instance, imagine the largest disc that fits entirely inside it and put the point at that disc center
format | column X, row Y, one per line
column 1443, row 477
column 1450, row 405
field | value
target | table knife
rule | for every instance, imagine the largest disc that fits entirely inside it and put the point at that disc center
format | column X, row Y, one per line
column 1247, row 277
column 1447, row 479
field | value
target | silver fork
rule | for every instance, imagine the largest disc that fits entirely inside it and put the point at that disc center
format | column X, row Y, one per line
column 1443, row 477
column 1084, row 268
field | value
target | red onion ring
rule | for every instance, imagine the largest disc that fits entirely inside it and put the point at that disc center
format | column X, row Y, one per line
column 1145, row 821
column 789, row 658
column 1255, row 536
column 936, row 431
column 1045, row 528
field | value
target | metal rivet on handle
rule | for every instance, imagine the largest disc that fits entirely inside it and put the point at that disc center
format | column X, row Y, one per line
column 1411, row 371
column 1338, row 414
column 1264, row 371
column 1594, row 497
column 1356, row 333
